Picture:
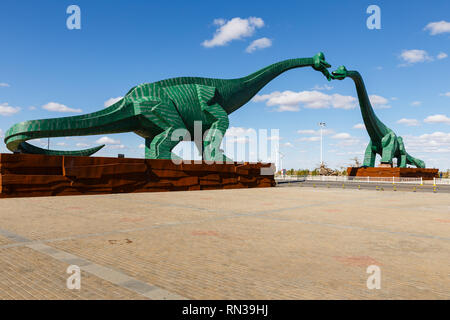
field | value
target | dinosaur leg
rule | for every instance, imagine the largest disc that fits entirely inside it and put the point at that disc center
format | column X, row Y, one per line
column 219, row 118
column 401, row 160
column 414, row 161
column 167, row 127
column 160, row 147
column 389, row 144
column 214, row 136
column 369, row 156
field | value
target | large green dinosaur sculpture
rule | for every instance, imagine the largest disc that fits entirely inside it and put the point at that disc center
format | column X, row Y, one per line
column 155, row 110
column 383, row 141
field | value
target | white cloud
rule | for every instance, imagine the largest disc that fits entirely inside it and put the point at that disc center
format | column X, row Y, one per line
column 290, row 100
column 409, row 122
column 316, row 132
column 107, row 140
column 1, row 133
column 4, row 85
column 414, row 56
column 359, row 126
column 7, row 110
column 341, row 136
column 239, row 131
column 240, row 139
column 306, row 131
column 259, row 44
column 324, row 87
column 344, row 140
column 437, row 118
column 117, row 146
column 416, row 103
column 234, row 29
column 442, row 55
column 82, row 145
column 58, row 107
column 436, row 142
column 219, row 22
column 394, row 98
column 240, row 135
column 379, row 102
column 438, row 27
column 61, row 144
column 141, row 146
column 31, row 108
column 288, row 108
column 446, row 94
column 111, row 101
column 343, row 102
column 309, row 139
column 288, row 144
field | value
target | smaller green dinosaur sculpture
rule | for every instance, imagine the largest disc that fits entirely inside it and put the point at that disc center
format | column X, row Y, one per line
column 383, row 140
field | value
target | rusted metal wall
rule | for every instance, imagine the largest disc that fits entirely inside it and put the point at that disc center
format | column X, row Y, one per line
column 25, row 175
column 426, row 174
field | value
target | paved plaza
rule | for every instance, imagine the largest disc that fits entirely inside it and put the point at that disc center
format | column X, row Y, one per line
column 268, row 243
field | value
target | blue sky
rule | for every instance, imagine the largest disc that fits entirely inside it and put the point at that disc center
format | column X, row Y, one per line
column 45, row 68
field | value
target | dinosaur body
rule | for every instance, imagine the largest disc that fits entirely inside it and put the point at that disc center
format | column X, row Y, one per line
column 383, row 140
column 155, row 111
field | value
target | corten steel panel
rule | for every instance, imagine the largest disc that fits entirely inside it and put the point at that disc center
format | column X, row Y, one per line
column 24, row 175
column 426, row 174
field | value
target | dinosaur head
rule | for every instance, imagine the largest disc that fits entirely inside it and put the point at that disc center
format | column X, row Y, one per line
column 340, row 73
column 321, row 65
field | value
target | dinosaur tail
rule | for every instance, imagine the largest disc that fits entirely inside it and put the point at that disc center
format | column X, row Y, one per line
column 109, row 120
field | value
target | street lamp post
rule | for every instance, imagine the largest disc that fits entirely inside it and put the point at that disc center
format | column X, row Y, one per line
column 321, row 125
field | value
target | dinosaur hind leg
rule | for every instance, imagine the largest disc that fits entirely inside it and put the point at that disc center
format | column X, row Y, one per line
column 369, row 156
column 414, row 161
column 169, row 126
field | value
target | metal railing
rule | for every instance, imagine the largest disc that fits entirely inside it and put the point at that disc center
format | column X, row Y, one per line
column 350, row 179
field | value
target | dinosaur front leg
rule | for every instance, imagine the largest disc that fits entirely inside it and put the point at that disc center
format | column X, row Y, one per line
column 389, row 144
column 402, row 159
column 369, row 156
column 214, row 136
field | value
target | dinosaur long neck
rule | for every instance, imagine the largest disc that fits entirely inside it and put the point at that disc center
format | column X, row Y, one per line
column 375, row 128
column 247, row 87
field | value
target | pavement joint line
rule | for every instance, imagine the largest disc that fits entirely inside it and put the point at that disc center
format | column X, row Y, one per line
column 12, row 236
column 116, row 277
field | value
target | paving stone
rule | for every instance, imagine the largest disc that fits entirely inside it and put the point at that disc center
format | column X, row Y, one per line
column 274, row 243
